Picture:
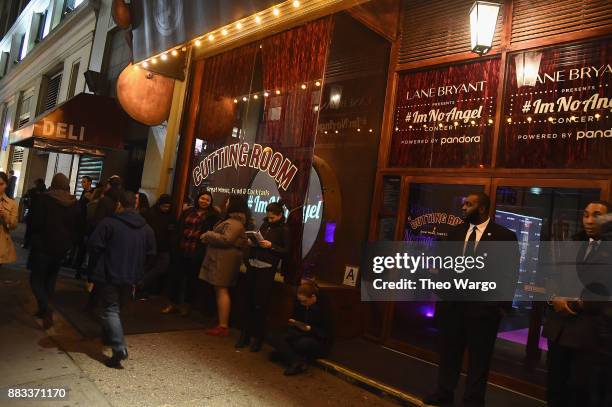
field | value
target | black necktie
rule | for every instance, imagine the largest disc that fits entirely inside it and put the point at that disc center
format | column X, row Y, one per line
column 470, row 245
column 591, row 248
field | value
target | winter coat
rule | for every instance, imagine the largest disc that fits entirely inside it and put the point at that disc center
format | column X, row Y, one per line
column 56, row 223
column 120, row 246
column 209, row 221
column 164, row 227
column 319, row 317
column 278, row 234
column 7, row 249
column 225, row 252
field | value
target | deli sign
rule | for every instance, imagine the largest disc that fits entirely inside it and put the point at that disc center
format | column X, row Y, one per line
column 62, row 130
column 84, row 124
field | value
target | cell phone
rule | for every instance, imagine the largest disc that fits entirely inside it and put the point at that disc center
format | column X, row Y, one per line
column 298, row 324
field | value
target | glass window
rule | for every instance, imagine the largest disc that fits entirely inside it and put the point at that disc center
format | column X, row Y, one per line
column 534, row 214
column 433, row 209
column 387, row 216
column 346, row 146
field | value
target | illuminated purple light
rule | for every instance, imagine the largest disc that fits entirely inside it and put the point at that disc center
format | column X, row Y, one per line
column 330, row 232
column 428, row 311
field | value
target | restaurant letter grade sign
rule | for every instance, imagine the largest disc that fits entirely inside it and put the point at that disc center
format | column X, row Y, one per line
column 558, row 108
column 444, row 117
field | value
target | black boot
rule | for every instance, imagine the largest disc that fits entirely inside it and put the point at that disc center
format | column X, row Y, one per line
column 256, row 345
column 244, row 340
column 115, row 360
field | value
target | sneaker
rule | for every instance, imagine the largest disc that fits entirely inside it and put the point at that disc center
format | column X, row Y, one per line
column 217, row 331
column 170, row 309
column 115, row 360
column 295, row 369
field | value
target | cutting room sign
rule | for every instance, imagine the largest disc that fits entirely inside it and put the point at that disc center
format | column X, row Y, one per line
column 256, row 156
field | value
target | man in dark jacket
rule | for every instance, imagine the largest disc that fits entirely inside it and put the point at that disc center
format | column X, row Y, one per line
column 162, row 221
column 29, row 202
column 120, row 247
column 81, row 250
column 474, row 324
column 578, row 329
column 12, row 185
column 55, row 229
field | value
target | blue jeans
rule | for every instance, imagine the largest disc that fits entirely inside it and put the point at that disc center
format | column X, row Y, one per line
column 113, row 297
column 44, row 269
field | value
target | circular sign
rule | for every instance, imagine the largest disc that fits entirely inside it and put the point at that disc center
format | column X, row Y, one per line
column 263, row 191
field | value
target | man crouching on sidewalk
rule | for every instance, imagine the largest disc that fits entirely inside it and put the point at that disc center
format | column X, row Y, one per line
column 119, row 246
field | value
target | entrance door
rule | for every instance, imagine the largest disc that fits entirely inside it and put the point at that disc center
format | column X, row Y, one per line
column 538, row 210
column 432, row 207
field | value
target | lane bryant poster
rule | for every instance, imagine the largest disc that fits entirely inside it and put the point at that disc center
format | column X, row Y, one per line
column 558, row 107
column 444, row 117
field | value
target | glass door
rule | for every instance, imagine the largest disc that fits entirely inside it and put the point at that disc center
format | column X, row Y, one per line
column 432, row 208
column 537, row 210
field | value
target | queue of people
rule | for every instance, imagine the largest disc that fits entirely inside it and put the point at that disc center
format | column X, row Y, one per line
column 130, row 249
column 124, row 248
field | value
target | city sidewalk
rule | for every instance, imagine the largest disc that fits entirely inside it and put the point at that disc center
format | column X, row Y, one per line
column 181, row 368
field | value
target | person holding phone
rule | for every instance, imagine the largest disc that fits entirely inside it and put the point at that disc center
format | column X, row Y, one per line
column 309, row 334
column 267, row 251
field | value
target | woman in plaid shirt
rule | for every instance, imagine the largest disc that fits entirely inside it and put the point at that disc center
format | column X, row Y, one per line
column 194, row 223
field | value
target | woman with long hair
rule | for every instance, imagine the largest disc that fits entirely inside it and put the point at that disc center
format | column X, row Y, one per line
column 264, row 258
column 195, row 222
column 224, row 256
column 8, row 222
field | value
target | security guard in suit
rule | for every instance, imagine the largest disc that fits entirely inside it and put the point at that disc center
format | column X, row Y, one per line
column 473, row 325
column 578, row 329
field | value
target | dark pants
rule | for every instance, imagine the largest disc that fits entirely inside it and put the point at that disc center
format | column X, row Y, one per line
column 113, row 297
column 185, row 280
column 296, row 346
column 154, row 275
column 458, row 332
column 44, row 269
column 574, row 377
column 259, row 282
column 80, row 254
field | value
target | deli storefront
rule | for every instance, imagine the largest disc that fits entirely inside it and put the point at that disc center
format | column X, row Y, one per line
column 372, row 121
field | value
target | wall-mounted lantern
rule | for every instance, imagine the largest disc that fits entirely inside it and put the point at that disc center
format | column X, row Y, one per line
column 527, row 66
column 483, row 18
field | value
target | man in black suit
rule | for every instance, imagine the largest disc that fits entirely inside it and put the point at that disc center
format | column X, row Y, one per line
column 473, row 324
column 578, row 329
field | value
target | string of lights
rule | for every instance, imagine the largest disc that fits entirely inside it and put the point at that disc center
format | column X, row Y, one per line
column 276, row 92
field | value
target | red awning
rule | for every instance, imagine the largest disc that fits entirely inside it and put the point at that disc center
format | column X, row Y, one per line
column 86, row 124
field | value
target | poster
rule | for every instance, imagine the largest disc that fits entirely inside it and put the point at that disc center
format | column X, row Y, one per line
column 159, row 25
column 444, row 117
column 557, row 108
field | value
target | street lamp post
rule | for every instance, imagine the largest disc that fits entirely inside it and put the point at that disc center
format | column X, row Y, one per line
column 483, row 18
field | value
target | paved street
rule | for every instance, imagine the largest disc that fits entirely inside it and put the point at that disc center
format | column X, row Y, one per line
column 181, row 368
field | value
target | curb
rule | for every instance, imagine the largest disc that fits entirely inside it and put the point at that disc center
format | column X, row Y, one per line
column 369, row 384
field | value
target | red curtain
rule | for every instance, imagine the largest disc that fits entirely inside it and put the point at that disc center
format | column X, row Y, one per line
column 225, row 77
column 293, row 62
